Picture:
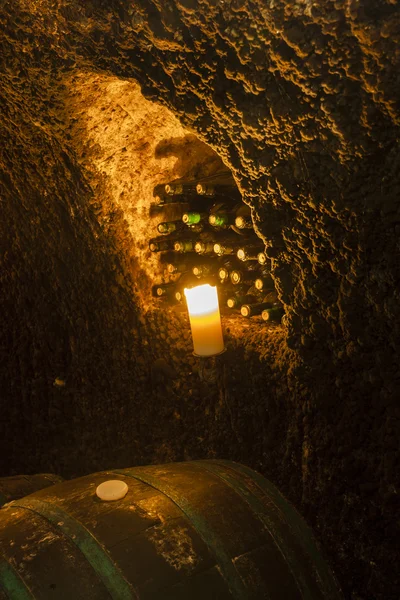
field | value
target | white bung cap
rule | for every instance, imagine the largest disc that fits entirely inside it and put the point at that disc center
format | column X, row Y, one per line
column 241, row 254
column 114, row 489
column 245, row 310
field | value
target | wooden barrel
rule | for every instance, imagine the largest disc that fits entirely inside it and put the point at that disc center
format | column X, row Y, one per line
column 19, row 486
column 203, row 530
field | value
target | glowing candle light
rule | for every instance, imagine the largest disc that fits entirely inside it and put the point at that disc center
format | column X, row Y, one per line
column 205, row 320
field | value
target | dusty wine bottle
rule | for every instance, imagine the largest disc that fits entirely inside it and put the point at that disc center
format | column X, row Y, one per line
column 179, row 296
column 178, row 267
column 183, row 246
column 225, row 270
column 214, row 189
column 191, row 218
column 250, row 310
column 264, row 282
column 247, row 276
column 248, row 253
column 274, row 313
column 204, row 247
column 203, row 270
column 221, row 249
column 222, row 215
column 262, row 258
column 244, row 222
column 178, row 189
column 161, row 244
column 164, row 290
column 237, row 299
column 169, row 227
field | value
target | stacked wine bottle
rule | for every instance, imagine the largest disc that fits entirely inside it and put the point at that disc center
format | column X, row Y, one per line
column 207, row 236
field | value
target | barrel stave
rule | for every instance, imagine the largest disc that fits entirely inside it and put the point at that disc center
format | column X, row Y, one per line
column 18, row 486
column 49, row 564
column 207, row 585
column 313, row 576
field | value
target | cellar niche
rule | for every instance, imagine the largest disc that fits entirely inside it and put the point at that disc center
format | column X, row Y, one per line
column 132, row 149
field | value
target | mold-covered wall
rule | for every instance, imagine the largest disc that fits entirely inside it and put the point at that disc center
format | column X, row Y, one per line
column 300, row 100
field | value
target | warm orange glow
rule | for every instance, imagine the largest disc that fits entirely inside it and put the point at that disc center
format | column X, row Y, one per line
column 205, row 320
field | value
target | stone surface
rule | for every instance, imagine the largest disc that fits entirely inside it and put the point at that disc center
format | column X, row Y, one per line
column 300, row 100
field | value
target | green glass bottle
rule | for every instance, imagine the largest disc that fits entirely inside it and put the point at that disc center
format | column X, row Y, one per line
column 222, row 215
column 183, row 246
column 204, row 247
column 191, row 218
column 274, row 313
column 169, row 227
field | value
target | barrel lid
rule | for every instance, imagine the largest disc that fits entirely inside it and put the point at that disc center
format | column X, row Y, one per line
column 113, row 489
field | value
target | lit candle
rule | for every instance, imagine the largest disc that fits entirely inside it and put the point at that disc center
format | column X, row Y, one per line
column 205, row 320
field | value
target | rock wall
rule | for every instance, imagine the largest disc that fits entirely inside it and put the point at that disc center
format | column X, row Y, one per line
column 300, row 100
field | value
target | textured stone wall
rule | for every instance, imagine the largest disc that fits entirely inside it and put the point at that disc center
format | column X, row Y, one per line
column 300, row 100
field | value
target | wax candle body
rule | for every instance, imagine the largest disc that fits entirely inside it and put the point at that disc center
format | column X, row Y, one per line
column 205, row 320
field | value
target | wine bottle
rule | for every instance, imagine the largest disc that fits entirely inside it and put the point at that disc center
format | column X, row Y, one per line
column 225, row 270
column 161, row 244
column 237, row 299
column 169, row 227
column 227, row 248
column 178, row 267
column 204, row 270
column 250, row 310
column 244, row 222
column 245, row 253
column 217, row 186
column 264, row 282
column 192, row 217
column 247, row 276
column 274, row 313
column 179, row 188
column 204, row 247
column 223, row 215
column 184, row 246
column 164, row 290
column 262, row 258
